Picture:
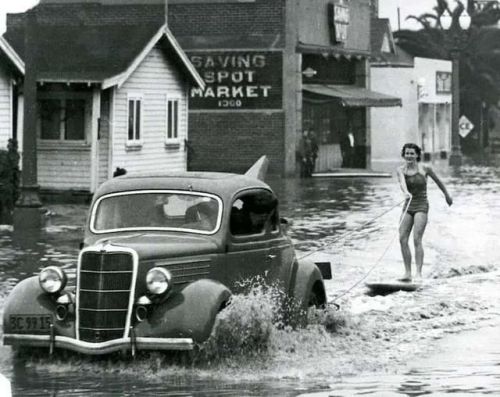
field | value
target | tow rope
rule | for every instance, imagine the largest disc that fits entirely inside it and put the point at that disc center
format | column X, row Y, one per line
column 331, row 241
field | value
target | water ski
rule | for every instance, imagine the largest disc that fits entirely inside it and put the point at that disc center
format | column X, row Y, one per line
column 385, row 288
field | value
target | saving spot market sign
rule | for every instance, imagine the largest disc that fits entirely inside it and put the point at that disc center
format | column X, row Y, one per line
column 238, row 79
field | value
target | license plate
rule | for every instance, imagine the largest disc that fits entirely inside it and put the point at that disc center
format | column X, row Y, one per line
column 27, row 323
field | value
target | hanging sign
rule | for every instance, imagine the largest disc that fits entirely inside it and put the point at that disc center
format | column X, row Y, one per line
column 339, row 18
column 464, row 126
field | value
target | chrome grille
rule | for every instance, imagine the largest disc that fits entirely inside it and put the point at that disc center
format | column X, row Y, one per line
column 189, row 271
column 104, row 288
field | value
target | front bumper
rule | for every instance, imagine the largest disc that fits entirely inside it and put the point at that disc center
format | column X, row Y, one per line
column 132, row 344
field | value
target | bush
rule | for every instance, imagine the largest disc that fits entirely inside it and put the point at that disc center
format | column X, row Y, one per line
column 9, row 181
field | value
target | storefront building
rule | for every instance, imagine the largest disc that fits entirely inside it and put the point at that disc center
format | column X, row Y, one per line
column 274, row 68
column 424, row 86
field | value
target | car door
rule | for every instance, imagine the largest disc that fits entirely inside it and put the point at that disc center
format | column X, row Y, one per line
column 249, row 239
column 281, row 253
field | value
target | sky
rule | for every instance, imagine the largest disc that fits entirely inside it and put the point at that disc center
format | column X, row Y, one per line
column 13, row 6
column 387, row 9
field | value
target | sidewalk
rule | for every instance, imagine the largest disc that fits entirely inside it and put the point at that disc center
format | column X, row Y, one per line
column 352, row 173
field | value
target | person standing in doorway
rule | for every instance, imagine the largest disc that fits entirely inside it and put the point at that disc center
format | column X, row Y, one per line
column 347, row 149
column 412, row 177
column 314, row 151
column 304, row 154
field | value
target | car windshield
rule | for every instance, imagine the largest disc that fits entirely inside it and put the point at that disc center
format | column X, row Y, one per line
column 157, row 210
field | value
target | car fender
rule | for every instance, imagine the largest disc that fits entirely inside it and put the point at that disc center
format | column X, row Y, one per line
column 307, row 278
column 189, row 313
column 28, row 299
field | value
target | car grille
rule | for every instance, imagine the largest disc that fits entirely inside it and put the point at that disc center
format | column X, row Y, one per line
column 184, row 272
column 105, row 285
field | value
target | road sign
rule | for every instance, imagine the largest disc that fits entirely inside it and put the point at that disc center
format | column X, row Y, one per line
column 464, row 126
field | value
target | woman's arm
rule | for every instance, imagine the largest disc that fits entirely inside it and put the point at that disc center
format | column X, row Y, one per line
column 429, row 171
column 402, row 182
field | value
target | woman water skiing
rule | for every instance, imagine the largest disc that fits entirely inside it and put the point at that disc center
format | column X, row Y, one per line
column 412, row 178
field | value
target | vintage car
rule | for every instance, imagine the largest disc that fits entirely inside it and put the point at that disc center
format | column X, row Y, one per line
column 161, row 257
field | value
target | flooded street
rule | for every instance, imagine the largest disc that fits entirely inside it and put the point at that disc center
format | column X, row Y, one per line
column 442, row 338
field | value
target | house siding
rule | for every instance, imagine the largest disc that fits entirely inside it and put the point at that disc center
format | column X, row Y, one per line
column 5, row 108
column 64, row 168
column 155, row 79
column 65, row 165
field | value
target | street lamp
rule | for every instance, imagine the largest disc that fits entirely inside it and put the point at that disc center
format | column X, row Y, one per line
column 447, row 23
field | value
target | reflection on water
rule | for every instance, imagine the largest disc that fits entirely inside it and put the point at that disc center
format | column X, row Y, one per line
column 466, row 364
column 381, row 334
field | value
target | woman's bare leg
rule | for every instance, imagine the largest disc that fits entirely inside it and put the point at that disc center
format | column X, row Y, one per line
column 419, row 223
column 404, row 235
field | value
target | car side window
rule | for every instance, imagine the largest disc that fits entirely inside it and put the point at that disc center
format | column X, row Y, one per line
column 253, row 213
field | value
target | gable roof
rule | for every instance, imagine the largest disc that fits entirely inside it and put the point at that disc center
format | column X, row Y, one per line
column 381, row 35
column 12, row 55
column 380, row 30
column 162, row 34
column 97, row 50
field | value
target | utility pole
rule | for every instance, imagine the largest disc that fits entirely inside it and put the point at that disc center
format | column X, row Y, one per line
column 27, row 214
column 456, row 153
column 166, row 13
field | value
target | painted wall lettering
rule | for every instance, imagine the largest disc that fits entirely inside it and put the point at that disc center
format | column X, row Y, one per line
column 244, row 80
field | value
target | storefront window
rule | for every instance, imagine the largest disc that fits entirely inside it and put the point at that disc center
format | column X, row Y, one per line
column 341, row 133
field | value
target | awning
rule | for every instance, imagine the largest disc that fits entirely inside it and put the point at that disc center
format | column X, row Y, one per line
column 350, row 95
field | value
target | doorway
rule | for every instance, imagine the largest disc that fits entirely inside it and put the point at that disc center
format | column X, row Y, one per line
column 340, row 131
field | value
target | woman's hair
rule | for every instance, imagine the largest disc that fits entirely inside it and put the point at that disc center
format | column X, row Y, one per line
column 412, row 146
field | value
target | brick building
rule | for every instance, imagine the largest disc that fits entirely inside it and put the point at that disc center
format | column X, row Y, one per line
column 272, row 69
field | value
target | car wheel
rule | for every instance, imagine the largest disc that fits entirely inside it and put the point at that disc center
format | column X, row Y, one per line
column 313, row 300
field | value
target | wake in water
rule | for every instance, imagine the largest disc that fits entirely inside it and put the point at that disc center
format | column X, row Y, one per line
column 256, row 332
column 257, row 322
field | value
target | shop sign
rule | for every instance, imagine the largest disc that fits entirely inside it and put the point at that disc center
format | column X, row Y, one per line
column 339, row 18
column 238, row 80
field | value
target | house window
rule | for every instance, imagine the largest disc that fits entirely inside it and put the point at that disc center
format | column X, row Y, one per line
column 62, row 119
column 134, row 119
column 172, row 120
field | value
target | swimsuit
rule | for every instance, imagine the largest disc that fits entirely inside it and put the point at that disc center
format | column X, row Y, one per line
column 417, row 186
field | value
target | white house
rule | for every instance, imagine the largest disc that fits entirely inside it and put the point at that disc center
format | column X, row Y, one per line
column 110, row 94
column 11, row 74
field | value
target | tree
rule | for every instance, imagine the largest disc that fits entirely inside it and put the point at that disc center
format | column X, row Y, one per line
column 479, row 56
column 480, row 48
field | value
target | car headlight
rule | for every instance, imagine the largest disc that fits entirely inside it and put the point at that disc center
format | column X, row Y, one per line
column 52, row 279
column 158, row 280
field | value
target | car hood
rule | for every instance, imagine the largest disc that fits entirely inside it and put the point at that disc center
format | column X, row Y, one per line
column 155, row 246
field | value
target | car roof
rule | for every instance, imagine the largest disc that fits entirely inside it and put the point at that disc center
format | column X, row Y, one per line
column 219, row 183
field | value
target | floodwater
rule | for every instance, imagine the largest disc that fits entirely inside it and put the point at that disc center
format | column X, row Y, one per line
column 443, row 338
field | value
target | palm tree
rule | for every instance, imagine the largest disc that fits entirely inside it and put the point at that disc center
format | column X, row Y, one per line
column 479, row 55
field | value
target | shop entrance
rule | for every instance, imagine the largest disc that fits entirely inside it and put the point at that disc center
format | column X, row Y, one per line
column 340, row 132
